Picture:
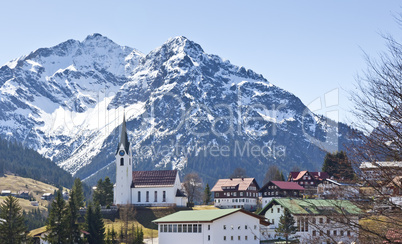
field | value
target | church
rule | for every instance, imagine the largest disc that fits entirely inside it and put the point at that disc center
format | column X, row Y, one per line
column 157, row 188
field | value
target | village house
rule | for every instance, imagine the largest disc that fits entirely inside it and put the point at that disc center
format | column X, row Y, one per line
column 23, row 194
column 307, row 179
column 210, row 226
column 5, row 192
column 317, row 221
column 144, row 188
column 47, row 196
column 332, row 189
column 395, row 186
column 236, row 193
column 380, row 171
column 278, row 189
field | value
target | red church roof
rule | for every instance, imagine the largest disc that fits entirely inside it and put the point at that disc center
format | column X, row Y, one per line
column 154, row 178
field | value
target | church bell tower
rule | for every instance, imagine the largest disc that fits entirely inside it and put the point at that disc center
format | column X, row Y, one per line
column 124, row 168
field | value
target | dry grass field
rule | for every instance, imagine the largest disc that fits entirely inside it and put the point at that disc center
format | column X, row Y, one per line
column 37, row 188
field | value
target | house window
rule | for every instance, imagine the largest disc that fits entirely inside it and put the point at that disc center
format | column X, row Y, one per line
column 209, row 237
column 328, row 232
column 209, row 227
column 139, row 196
column 238, row 238
column 170, row 228
column 184, row 228
column 174, row 228
column 279, row 210
column 272, row 210
column 321, row 220
column 335, row 233
column 189, row 228
column 224, row 238
column 314, row 233
column 245, row 238
column 235, row 194
column 179, row 228
column 313, row 220
column 224, row 227
column 255, row 227
column 255, row 237
column 161, row 228
column 156, row 196
column 164, row 228
column 342, row 232
column 217, row 194
column 147, row 197
column 231, row 227
column 195, row 228
column 164, row 196
column 245, row 227
column 199, row 228
column 328, row 220
column 241, row 194
column 231, row 238
column 348, row 233
column 306, row 225
column 121, row 161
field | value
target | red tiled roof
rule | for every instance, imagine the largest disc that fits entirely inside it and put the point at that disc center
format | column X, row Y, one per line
column 284, row 185
column 154, row 178
column 242, row 183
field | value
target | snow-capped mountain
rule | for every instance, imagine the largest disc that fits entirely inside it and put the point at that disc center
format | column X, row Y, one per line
column 185, row 109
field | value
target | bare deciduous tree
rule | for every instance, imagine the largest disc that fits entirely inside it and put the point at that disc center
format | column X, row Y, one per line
column 378, row 109
column 193, row 187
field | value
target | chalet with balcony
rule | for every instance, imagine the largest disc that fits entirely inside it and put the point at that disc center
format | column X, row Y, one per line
column 308, row 179
column 236, row 193
column 279, row 189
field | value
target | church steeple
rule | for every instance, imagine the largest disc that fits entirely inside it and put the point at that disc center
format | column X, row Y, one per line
column 123, row 137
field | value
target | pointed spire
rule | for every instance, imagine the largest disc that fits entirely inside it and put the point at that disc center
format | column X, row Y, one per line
column 123, row 136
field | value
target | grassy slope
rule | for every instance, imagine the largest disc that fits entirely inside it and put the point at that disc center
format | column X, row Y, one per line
column 37, row 188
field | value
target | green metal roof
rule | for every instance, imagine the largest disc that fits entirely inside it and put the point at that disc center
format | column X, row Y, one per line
column 196, row 215
column 314, row 206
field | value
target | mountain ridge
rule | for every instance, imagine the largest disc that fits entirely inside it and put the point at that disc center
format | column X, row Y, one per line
column 176, row 98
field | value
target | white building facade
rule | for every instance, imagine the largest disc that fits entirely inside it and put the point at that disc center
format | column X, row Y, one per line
column 210, row 226
column 313, row 225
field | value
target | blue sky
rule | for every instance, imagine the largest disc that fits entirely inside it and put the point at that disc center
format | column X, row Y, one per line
column 313, row 49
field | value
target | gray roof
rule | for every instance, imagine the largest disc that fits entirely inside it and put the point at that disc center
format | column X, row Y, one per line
column 123, row 137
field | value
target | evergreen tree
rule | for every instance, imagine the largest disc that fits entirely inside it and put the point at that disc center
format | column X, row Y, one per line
column 12, row 229
column 207, row 194
column 75, row 202
column 286, row 225
column 104, row 192
column 79, row 194
column 56, row 222
column 94, row 224
column 108, row 186
column 337, row 165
